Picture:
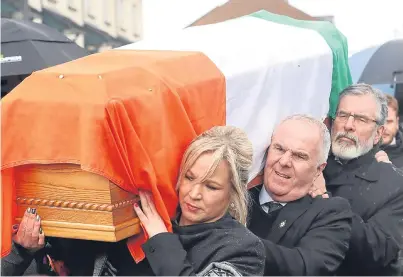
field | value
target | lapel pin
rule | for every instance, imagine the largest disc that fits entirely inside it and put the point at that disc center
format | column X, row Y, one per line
column 282, row 224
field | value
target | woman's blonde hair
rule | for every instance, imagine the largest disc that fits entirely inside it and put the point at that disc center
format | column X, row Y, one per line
column 228, row 144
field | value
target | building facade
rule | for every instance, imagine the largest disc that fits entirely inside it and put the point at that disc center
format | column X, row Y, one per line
column 93, row 24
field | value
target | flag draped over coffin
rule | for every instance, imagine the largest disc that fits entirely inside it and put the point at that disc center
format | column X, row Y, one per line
column 128, row 114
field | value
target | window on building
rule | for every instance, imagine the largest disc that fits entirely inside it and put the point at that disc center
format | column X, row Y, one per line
column 72, row 5
column 107, row 12
column 52, row 1
column 134, row 19
column 89, row 9
column 121, row 15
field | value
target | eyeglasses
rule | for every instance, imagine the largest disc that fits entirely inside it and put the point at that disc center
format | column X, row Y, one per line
column 358, row 119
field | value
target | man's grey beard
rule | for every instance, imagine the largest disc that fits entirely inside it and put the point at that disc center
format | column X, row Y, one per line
column 346, row 151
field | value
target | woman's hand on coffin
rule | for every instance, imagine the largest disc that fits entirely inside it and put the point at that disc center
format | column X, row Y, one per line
column 148, row 215
column 319, row 187
column 30, row 234
column 382, row 157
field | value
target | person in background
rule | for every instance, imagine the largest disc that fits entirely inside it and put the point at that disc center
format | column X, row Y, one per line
column 392, row 138
column 374, row 189
column 302, row 235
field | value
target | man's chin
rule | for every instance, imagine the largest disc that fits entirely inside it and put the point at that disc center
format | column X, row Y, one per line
column 345, row 153
column 277, row 191
column 386, row 140
column 346, row 143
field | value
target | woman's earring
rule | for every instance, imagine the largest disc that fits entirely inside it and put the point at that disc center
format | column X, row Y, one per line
column 232, row 205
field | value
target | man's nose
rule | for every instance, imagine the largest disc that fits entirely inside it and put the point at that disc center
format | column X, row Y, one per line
column 349, row 126
column 285, row 159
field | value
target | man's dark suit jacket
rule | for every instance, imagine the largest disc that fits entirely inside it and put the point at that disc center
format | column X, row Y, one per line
column 375, row 193
column 307, row 237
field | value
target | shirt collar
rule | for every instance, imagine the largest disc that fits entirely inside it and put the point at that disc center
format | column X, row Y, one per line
column 264, row 197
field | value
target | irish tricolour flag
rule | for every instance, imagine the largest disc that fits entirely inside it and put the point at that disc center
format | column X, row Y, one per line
column 273, row 65
column 128, row 114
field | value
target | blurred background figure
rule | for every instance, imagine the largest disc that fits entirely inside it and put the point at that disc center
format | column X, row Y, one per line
column 393, row 134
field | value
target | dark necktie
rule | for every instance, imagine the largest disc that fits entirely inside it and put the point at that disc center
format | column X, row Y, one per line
column 272, row 206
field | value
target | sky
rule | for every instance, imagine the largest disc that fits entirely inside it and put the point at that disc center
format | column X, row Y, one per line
column 364, row 22
column 163, row 16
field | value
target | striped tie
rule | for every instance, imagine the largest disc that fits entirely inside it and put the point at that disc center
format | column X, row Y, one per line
column 271, row 206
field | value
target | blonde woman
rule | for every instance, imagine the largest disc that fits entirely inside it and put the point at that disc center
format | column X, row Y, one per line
column 210, row 237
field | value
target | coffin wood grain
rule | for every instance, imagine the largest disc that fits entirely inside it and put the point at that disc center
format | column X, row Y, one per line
column 76, row 204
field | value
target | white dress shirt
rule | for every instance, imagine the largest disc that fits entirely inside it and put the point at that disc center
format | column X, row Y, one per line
column 264, row 197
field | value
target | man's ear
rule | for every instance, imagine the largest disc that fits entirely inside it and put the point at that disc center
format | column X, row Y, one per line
column 328, row 122
column 379, row 133
column 320, row 169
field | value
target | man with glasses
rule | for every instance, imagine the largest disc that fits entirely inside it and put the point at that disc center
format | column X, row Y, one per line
column 374, row 189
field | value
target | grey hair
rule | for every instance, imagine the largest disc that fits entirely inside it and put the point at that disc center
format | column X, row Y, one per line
column 324, row 133
column 230, row 144
column 365, row 89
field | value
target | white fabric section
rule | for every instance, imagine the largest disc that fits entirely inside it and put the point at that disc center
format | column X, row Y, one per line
column 272, row 71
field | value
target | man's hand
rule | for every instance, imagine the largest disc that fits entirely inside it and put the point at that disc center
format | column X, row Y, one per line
column 382, row 157
column 319, row 187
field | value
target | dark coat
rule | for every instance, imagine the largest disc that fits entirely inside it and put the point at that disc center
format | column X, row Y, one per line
column 308, row 237
column 375, row 193
column 18, row 262
column 395, row 152
column 224, row 247
column 79, row 256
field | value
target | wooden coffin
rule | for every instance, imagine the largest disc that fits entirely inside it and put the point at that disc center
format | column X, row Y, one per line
column 76, row 204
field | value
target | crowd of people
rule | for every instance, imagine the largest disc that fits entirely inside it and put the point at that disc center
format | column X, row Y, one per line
column 330, row 203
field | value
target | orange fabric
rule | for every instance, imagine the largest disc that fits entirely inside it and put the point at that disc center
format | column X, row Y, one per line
column 126, row 115
column 7, row 208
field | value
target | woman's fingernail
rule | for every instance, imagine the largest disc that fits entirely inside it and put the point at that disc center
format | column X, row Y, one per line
column 15, row 227
column 33, row 211
column 29, row 210
column 37, row 217
column 136, row 205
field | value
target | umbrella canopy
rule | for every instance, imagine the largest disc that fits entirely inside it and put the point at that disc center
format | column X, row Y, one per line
column 385, row 65
column 358, row 62
column 27, row 47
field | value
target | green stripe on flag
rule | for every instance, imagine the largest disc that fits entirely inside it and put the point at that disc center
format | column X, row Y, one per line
column 341, row 76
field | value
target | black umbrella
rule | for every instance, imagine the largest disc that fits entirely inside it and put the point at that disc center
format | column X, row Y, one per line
column 386, row 65
column 27, row 46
